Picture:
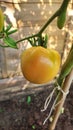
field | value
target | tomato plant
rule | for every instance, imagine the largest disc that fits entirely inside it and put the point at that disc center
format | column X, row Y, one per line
column 40, row 65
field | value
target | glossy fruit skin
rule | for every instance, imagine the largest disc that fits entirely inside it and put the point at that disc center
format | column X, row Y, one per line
column 40, row 65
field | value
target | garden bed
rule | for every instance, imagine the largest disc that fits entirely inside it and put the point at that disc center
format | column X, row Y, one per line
column 20, row 113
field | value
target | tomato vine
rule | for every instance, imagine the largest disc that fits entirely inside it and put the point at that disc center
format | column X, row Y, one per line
column 6, row 32
column 38, row 40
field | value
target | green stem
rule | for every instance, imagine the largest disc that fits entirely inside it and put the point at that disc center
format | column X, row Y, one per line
column 66, row 68
column 49, row 21
column 64, row 5
column 27, row 38
column 42, row 29
column 3, row 46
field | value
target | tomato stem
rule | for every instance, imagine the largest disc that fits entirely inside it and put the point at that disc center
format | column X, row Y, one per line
column 62, row 7
column 38, row 35
column 42, row 29
column 66, row 68
column 27, row 38
column 49, row 21
column 3, row 46
column 64, row 4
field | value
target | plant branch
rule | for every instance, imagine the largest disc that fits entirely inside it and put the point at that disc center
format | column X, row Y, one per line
column 42, row 29
column 66, row 68
column 27, row 38
column 49, row 21
column 64, row 5
column 3, row 46
column 62, row 97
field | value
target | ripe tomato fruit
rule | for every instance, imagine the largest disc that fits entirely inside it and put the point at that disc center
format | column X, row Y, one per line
column 40, row 65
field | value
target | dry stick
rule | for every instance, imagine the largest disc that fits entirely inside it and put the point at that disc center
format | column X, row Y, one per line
column 62, row 98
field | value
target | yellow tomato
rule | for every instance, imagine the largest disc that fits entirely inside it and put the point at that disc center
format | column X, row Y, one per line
column 1, row 20
column 40, row 65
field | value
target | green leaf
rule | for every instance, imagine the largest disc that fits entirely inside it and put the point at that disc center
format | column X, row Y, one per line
column 8, row 27
column 10, row 42
column 13, row 31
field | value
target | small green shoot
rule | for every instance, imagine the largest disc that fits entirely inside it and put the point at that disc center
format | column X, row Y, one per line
column 28, row 99
column 62, row 110
column 33, row 127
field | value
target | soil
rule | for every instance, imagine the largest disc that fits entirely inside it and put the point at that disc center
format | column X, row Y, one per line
column 24, row 112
